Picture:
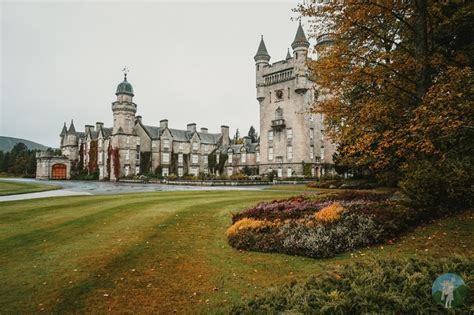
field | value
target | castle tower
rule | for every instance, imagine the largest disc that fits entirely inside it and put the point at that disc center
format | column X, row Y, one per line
column 124, row 109
column 289, row 135
column 123, row 136
column 262, row 59
column 69, row 142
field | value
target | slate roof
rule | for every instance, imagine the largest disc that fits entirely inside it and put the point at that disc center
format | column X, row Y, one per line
column 262, row 53
column 300, row 38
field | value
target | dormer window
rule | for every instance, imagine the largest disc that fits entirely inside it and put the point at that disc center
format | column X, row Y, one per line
column 195, row 146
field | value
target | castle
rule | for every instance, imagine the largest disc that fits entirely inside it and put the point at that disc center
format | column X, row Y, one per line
column 292, row 141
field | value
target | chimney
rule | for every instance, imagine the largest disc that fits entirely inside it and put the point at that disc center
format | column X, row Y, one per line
column 164, row 123
column 138, row 119
column 204, row 130
column 247, row 140
column 192, row 127
column 225, row 135
column 99, row 125
column 88, row 128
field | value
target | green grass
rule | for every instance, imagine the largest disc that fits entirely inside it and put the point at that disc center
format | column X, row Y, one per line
column 14, row 188
column 159, row 252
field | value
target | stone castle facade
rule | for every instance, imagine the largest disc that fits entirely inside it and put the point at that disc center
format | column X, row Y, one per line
column 292, row 141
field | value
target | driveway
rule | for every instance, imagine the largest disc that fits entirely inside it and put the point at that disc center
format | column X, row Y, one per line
column 73, row 187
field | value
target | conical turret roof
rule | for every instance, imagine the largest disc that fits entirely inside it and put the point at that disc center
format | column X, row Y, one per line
column 262, row 53
column 288, row 55
column 64, row 131
column 72, row 129
column 300, row 38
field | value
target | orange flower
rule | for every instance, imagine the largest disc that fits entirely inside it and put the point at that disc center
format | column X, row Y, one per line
column 330, row 213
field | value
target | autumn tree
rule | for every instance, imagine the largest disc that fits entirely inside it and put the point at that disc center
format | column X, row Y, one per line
column 383, row 77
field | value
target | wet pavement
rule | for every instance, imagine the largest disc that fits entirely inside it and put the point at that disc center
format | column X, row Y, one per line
column 72, row 188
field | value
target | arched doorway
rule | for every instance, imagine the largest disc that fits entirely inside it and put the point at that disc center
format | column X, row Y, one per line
column 59, row 171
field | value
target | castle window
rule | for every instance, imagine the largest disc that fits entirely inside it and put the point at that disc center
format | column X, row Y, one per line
column 100, row 143
column 311, row 152
column 138, row 141
column 258, row 156
column 311, row 133
column 270, row 135
column 205, row 159
column 166, row 143
column 138, row 152
column 230, row 157
column 289, row 134
column 217, row 157
column 279, row 113
column 195, row 159
column 270, row 97
column 229, row 171
column 270, row 154
column 99, row 158
column 289, row 153
column 322, row 153
column 166, row 158
column 165, row 172
column 194, row 171
column 180, row 158
column 288, row 93
column 127, row 155
column 258, row 67
column 243, row 157
column 195, row 146
column 137, row 169
column 289, row 172
column 180, row 172
column 127, row 170
column 153, row 144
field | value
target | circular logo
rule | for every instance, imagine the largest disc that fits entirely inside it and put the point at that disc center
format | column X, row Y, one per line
column 449, row 290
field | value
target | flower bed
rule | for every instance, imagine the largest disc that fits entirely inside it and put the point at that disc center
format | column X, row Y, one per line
column 319, row 228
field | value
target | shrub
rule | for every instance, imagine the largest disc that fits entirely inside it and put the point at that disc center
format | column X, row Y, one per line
column 374, row 285
column 330, row 213
column 246, row 223
column 439, row 186
column 353, row 230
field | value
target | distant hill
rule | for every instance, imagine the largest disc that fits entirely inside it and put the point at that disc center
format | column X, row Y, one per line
column 7, row 143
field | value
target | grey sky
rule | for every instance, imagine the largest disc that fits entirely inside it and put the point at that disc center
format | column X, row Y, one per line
column 189, row 62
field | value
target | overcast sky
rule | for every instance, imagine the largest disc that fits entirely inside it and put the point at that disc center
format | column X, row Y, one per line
column 189, row 62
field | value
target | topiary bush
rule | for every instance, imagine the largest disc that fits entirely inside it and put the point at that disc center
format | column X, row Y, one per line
column 373, row 285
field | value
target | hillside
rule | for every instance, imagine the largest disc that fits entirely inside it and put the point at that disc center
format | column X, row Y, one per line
column 7, row 143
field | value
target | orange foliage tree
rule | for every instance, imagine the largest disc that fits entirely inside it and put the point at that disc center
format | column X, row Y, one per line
column 396, row 80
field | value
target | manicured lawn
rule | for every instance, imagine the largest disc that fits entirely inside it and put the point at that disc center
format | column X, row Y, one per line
column 159, row 252
column 14, row 188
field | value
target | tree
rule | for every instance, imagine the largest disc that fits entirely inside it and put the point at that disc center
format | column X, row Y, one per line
column 237, row 139
column 253, row 134
column 386, row 59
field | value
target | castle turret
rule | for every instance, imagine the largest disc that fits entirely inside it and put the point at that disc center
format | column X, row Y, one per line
column 123, row 108
column 62, row 135
column 300, row 47
column 262, row 59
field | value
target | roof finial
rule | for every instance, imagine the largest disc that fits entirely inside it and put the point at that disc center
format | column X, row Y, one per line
column 125, row 71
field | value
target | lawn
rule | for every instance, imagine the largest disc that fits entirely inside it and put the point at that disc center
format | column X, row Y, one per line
column 14, row 188
column 159, row 252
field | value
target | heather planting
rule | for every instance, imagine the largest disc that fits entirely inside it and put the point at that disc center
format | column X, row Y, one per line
column 320, row 227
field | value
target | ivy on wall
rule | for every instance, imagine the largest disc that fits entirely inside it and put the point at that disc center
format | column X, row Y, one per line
column 116, row 157
column 92, row 167
column 81, row 157
column 145, row 162
column 109, row 159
